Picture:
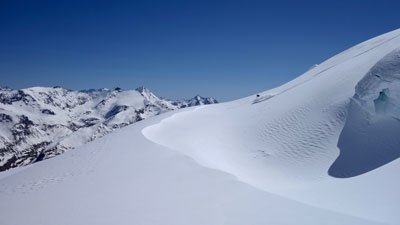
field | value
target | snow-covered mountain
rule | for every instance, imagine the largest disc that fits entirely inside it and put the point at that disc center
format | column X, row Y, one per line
column 321, row 149
column 41, row 122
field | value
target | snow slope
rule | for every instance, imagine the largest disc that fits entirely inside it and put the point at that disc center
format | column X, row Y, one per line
column 41, row 122
column 320, row 149
column 123, row 178
column 291, row 136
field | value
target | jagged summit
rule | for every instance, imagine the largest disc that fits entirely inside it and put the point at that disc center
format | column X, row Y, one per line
column 41, row 122
column 142, row 89
column 147, row 94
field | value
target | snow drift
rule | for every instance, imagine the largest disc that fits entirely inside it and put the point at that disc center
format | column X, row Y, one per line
column 370, row 137
column 339, row 119
column 320, row 149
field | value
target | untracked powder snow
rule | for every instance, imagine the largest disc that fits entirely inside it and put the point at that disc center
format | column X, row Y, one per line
column 320, row 149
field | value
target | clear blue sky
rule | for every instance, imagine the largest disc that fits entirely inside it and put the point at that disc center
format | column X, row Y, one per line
column 223, row 49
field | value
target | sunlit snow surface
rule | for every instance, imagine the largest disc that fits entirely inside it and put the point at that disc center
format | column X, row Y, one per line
column 313, row 151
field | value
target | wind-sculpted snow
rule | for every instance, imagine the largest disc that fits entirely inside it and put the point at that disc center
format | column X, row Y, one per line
column 125, row 179
column 370, row 137
column 379, row 91
column 303, row 134
column 274, row 160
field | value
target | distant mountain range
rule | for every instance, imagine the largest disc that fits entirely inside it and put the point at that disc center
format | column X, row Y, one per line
column 41, row 122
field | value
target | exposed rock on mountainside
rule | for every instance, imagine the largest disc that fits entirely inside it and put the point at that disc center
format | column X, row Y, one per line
column 38, row 123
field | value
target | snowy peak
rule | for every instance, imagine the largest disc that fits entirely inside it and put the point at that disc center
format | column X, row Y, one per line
column 147, row 94
column 143, row 90
column 198, row 100
column 41, row 122
column 195, row 101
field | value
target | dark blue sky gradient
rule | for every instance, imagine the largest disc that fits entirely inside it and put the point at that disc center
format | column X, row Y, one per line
column 223, row 49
